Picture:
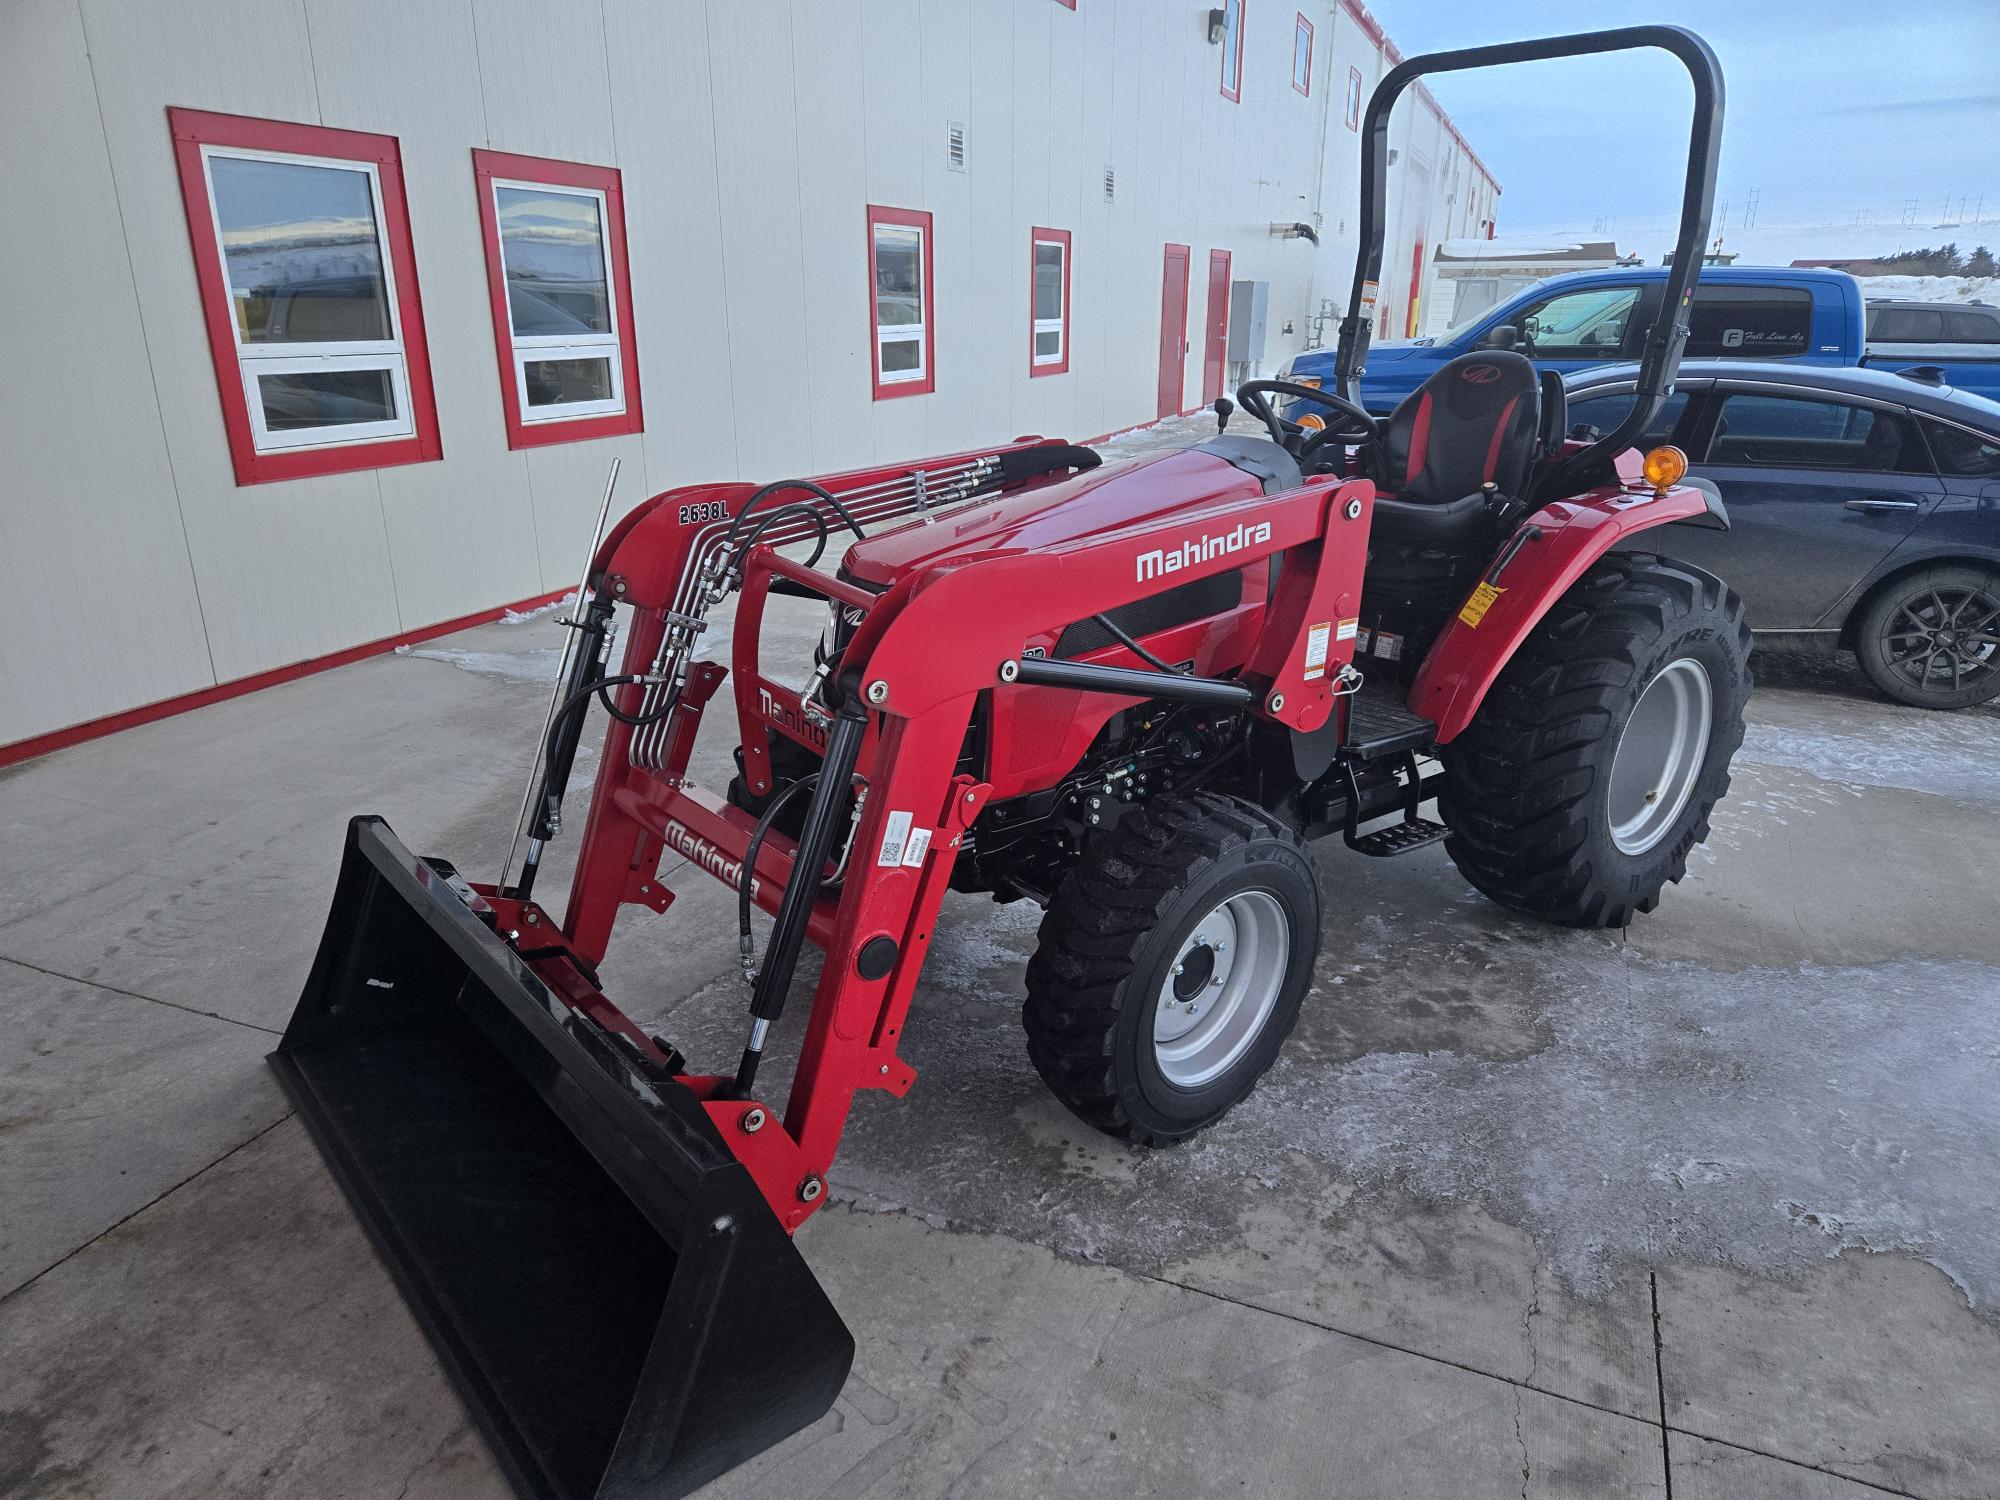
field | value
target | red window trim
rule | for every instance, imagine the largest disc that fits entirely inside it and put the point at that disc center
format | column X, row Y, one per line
column 1039, row 236
column 192, row 129
column 909, row 218
column 1235, row 95
column 487, row 165
column 1067, row 4
column 1301, row 21
column 1353, row 98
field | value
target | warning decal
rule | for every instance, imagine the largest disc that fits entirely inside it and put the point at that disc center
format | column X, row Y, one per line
column 1349, row 629
column 1317, row 637
column 1475, row 607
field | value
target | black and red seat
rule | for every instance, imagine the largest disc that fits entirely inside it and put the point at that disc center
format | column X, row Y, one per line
column 1477, row 421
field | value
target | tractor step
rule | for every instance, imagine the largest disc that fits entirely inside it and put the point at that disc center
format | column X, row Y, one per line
column 1379, row 726
column 1398, row 838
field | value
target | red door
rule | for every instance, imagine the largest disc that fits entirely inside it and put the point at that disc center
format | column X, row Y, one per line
column 1173, row 331
column 1216, row 349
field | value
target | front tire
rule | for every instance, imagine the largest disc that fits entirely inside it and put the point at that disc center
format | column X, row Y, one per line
column 1171, row 966
column 1932, row 638
column 1589, row 772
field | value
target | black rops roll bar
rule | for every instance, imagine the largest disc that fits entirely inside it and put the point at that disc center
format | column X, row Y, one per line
column 1661, row 359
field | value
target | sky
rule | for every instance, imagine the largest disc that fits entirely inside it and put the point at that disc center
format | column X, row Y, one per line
column 1837, row 112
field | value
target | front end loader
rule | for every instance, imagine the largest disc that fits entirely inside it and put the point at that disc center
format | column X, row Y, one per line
column 1134, row 695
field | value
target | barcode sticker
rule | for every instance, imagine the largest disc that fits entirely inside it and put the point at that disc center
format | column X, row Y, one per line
column 917, row 848
column 895, row 839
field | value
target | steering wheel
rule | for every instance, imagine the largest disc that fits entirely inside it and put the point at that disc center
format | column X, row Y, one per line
column 1302, row 443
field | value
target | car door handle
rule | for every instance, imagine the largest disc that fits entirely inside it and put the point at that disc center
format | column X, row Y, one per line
column 1881, row 505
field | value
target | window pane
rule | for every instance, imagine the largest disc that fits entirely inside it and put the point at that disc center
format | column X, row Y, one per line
column 301, row 251
column 326, row 398
column 1232, row 21
column 1579, row 325
column 1748, row 321
column 899, row 276
column 1301, row 55
column 904, row 356
column 555, row 382
column 1906, row 325
column 1960, row 452
column 1604, row 413
column 1048, row 344
column 552, row 245
column 1793, row 432
column 1971, row 328
column 1048, row 280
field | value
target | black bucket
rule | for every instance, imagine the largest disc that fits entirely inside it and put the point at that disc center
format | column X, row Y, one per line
column 601, row 1278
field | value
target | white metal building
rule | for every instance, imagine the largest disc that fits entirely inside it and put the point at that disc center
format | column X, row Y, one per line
column 325, row 319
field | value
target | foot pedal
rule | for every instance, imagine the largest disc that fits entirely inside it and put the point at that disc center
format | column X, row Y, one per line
column 1398, row 838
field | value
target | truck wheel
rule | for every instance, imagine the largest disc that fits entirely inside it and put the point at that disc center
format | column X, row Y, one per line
column 1590, row 769
column 1171, row 965
column 1932, row 638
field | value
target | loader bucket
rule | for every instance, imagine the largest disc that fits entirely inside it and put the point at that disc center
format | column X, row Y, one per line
column 614, row 1299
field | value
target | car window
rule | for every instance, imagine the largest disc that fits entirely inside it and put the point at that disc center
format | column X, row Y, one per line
column 1748, row 322
column 1579, row 325
column 1602, row 413
column 1964, row 326
column 1799, row 432
column 1906, row 325
column 1960, row 452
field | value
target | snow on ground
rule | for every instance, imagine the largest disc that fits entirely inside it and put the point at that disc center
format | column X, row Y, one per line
column 522, row 617
column 1652, row 235
column 539, row 664
column 1933, row 288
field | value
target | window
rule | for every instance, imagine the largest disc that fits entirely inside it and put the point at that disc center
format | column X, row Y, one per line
column 561, row 293
column 1232, row 50
column 1353, row 98
column 1602, row 414
column 1579, row 325
column 1749, row 322
column 1933, row 325
column 1302, row 55
column 309, row 288
column 899, row 276
column 1962, row 452
column 1048, row 299
column 1799, row 432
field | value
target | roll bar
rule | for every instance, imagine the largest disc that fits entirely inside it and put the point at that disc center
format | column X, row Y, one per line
column 1661, row 359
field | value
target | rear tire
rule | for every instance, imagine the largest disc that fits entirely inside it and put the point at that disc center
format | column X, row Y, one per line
column 1931, row 639
column 1171, row 966
column 1546, row 815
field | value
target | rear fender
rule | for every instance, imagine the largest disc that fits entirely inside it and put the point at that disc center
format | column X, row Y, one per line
column 1547, row 553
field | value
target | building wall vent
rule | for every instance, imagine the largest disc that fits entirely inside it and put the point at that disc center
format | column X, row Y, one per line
column 1110, row 185
column 954, row 145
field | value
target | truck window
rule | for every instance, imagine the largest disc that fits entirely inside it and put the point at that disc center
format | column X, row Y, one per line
column 1579, row 325
column 1748, row 322
column 1602, row 413
column 1796, row 432
column 1960, row 452
column 1965, row 326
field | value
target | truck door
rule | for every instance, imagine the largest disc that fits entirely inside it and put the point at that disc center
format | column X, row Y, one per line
column 1581, row 329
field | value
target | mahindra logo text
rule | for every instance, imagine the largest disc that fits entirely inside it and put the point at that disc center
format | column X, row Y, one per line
column 1480, row 374
column 705, row 854
column 808, row 724
column 1199, row 549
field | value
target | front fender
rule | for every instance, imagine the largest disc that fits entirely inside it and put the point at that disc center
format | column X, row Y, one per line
column 1547, row 553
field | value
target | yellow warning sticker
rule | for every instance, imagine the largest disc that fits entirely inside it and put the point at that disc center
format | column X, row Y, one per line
column 1316, row 650
column 1348, row 629
column 1475, row 607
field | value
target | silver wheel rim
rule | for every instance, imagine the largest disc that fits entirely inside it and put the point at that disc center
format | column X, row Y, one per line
column 1659, row 755
column 1221, row 988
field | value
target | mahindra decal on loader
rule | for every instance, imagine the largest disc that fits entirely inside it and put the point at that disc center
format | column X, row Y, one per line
column 1129, row 696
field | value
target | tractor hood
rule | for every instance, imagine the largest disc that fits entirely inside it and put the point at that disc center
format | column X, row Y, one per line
column 1103, row 500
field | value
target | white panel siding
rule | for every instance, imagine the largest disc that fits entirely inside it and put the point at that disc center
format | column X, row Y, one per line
column 751, row 136
column 97, row 600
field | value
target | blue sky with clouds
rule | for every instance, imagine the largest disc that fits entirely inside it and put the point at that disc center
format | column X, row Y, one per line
column 1835, row 107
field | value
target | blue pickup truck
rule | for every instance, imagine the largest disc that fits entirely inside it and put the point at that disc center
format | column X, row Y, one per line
column 1591, row 318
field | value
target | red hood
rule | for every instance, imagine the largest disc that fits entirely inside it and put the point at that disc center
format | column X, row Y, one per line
column 1107, row 499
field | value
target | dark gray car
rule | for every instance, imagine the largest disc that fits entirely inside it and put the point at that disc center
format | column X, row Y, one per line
column 1864, row 509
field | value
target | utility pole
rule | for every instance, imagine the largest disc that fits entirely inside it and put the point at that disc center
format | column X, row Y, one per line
column 1750, row 208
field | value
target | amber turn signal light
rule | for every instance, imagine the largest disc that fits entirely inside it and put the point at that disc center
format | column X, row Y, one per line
column 1664, row 466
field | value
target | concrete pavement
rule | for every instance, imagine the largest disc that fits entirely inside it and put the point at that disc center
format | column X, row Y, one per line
column 1703, row 1208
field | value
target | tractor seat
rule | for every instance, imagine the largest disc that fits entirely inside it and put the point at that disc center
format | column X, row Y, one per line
column 1476, row 421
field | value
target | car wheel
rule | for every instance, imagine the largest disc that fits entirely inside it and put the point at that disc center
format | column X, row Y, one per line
column 1932, row 637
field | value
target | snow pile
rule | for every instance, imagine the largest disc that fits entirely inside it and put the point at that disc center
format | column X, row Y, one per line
column 1933, row 288
column 522, row 617
column 1511, row 247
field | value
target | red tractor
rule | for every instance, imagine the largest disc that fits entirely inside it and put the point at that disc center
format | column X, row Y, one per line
column 1136, row 695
